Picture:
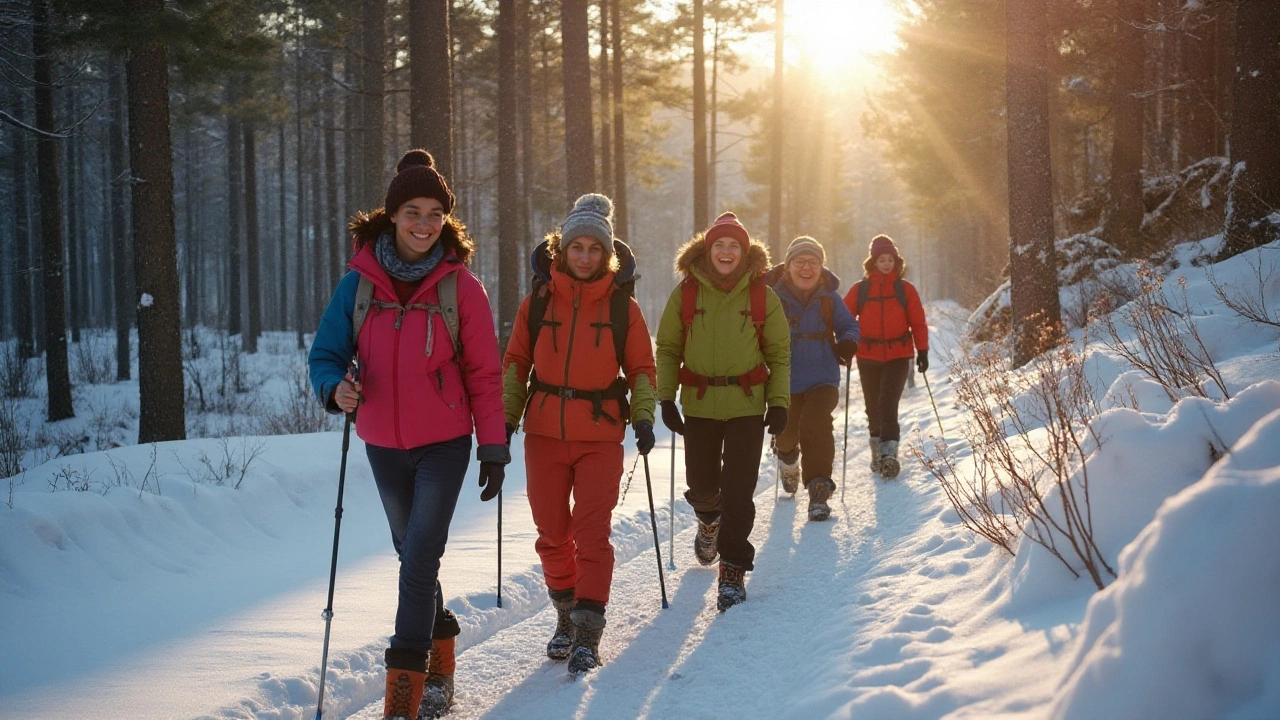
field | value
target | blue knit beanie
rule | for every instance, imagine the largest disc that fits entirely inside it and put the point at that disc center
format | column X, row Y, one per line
column 592, row 216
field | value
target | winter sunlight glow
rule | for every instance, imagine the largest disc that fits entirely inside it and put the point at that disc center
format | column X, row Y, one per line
column 836, row 34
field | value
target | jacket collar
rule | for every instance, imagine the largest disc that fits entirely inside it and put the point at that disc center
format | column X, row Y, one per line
column 366, row 263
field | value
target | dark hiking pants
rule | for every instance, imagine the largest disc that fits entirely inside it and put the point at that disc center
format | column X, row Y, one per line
column 419, row 490
column 809, row 431
column 722, row 462
column 882, row 385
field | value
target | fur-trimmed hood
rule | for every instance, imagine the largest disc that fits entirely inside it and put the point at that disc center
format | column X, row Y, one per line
column 693, row 254
column 367, row 227
column 540, row 259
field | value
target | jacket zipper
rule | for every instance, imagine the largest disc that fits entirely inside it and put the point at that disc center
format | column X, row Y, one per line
column 568, row 356
column 395, row 379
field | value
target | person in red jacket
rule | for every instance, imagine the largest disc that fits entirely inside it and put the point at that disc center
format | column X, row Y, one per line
column 892, row 321
column 564, row 376
column 419, row 397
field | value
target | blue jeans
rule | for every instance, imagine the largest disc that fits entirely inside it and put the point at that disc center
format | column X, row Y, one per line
column 419, row 490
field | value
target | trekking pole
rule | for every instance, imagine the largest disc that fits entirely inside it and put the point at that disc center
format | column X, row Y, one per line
column 777, row 469
column 936, row 416
column 499, row 547
column 671, row 546
column 844, row 446
column 653, row 520
column 333, row 562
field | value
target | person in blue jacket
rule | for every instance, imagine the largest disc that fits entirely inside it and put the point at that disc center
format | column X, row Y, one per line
column 824, row 336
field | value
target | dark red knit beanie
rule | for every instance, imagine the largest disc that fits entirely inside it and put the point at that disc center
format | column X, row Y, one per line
column 883, row 245
column 416, row 176
column 727, row 225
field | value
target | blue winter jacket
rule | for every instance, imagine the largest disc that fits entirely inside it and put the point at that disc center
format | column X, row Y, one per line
column 813, row 359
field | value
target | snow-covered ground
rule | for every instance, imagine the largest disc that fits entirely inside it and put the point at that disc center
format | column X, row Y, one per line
column 193, row 598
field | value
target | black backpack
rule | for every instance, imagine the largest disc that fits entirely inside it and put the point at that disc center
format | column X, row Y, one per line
column 864, row 291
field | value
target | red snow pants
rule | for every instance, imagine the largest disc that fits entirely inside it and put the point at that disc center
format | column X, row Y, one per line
column 573, row 541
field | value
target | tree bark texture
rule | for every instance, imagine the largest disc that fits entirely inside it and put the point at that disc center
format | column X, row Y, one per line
column 775, row 150
column 619, row 129
column 1254, row 192
column 1122, row 226
column 579, row 135
column 1032, row 269
column 57, row 370
column 23, row 266
column 606, row 110
column 235, row 234
column 700, row 219
column 431, row 87
column 373, row 86
column 332, row 212
column 253, row 259
column 509, row 259
column 121, row 238
column 160, row 380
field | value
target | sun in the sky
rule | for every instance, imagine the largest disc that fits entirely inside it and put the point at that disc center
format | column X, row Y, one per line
column 836, row 34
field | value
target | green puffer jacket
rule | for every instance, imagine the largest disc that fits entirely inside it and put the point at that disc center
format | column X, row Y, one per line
column 722, row 341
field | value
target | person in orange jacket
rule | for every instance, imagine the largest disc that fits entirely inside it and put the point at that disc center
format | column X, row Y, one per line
column 891, row 317
column 568, row 378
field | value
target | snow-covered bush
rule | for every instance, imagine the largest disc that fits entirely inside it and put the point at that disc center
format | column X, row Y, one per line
column 1191, row 629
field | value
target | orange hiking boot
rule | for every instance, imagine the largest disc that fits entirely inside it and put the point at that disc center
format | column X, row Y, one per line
column 406, row 673
column 437, row 694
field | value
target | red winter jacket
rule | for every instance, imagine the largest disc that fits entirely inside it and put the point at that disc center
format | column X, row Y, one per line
column 888, row 330
column 412, row 397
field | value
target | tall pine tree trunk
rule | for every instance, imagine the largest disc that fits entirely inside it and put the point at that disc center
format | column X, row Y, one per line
column 121, row 262
column 333, row 215
column 776, row 132
column 23, row 266
column 524, row 90
column 74, row 271
column 57, row 370
column 1254, row 192
column 579, row 135
column 700, row 219
column 619, row 129
column 430, row 83
column 282, row 227
column 253, row 259
column 1122, row 224
column 235, row 211
column 508, row 172
column 713, row 121
column 1032, row 266
column 606, row 110
column 191, row 258
column 160, row 381
column 300, row 304
column 373, row 87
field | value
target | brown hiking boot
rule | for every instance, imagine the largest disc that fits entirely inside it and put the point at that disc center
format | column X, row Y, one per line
column 437, row 694
column 733, row 586
column 704, row 543
column 406, row 675
column 820, row 490
column 561, row 642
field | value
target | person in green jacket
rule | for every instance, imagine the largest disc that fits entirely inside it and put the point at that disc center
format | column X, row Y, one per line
column 724, row 342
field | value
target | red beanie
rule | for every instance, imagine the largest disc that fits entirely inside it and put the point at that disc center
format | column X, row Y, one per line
column 883, row 245
column 416, row 176
column 727, row 225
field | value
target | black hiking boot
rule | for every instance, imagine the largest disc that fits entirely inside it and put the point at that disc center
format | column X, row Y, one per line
column 704, row 543
column 562, row 639
column 588, row 626
column 820, row 490
column 733, row 586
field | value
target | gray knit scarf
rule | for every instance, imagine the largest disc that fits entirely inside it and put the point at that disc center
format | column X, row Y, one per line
column 385, row 251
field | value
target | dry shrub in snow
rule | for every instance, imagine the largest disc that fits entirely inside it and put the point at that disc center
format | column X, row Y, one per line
column 1029, row 431
column 13, row 441
column 94, row 358
column 298, row 411
column 17, row 374
column 1257, row 302
column 1162, row 340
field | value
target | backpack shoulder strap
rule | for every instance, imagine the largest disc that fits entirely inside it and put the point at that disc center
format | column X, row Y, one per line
column 447, row 292
column 538, row 299
column 759, row 307
column 864, row 290
column 620, row 317
column 828, row 314
column 364, row 298
column 688, row 302
column 900, row 289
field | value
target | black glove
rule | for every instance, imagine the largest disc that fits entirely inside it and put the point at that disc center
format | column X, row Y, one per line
column 922, row 361
column 845, row 350
column 644, row 436
column 671, row 417
column 776, row 419
column 491, row 476
column 511, row 430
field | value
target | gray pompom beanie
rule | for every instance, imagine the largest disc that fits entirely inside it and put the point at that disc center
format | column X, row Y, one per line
column 592, row 215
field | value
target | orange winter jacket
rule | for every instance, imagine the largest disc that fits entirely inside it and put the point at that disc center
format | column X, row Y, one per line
column 575, row 350
column 889, row 331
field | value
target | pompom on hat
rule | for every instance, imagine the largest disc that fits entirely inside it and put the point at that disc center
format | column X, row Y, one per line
column 416, row 176
column 727, row 225
column 883, row 245
column 592, row 216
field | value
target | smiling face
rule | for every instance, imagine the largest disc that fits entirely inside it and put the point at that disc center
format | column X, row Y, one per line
column 585, row 257
column 804, row 271
column 418, row 223
column 726, row 256
column 885, row 262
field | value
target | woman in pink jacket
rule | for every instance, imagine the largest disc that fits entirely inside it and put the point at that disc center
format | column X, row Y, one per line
column 420, row 394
